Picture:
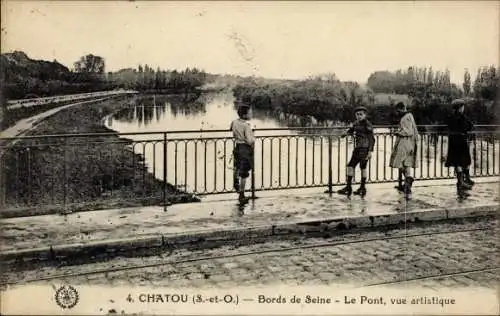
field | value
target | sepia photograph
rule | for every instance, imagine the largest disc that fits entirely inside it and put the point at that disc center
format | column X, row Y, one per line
column 249, row 157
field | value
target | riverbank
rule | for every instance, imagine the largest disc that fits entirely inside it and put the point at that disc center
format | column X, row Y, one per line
column 335, row 101
column 43, row 175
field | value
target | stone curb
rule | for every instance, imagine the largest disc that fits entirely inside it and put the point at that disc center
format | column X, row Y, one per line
column 220, row 235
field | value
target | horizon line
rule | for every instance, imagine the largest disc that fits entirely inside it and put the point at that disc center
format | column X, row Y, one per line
column 301, row 78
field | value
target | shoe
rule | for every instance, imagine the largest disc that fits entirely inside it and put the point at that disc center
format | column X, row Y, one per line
column 466, row 186
column 400, row 188
column 345, row 191
column 361, row 191
column 242, row 198
column 468, row 181
column 407, row 187
column 462, row 185
column 461, row 192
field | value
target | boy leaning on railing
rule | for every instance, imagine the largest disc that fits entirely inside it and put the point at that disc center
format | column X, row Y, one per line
column 243, row 151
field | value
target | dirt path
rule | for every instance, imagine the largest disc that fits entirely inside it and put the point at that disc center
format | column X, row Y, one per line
column 27, row 124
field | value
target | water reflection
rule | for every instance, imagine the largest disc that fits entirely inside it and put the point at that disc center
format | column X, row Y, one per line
column 187, row 105
column 293, row 120
column 244, row 208
column 145, row 110
column 148, row 113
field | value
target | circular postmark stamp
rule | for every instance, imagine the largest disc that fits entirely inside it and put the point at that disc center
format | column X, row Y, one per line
column 67, row 296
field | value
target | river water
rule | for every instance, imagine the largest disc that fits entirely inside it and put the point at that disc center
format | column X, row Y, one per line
column 201, row 162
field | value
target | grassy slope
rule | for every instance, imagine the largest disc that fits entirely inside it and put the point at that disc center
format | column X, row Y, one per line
column 101, row 172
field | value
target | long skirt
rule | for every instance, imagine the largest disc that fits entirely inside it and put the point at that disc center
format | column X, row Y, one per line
column 404, row 154
column 458, row 152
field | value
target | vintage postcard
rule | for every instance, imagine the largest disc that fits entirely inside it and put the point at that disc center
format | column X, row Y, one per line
column 249, row 158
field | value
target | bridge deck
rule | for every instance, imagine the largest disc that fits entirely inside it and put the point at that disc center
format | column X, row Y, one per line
column 277, row 208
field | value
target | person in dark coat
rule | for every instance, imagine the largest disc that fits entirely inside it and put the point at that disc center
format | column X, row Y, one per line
column 458, row 147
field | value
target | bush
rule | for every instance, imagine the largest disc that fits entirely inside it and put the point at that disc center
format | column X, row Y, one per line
column 335, row 101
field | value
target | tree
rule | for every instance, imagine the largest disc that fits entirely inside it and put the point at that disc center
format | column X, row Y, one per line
column 467, row 83
column 487, row 83
column 410, row 75
column 3, row 109
column 382, row 81
column 158, row 79
column 90, row 64
column 477, row 82
column 430, row 76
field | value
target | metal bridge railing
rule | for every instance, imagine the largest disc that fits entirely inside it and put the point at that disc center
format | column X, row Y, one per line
column 67, row 172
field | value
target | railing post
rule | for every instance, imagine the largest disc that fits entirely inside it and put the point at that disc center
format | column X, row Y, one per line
column 3, row 183
column 493, row 142
column 65, row 191
column 487, row 139
column 253, row 169
column 164, row 172
column 330, row 172
column 29, row 179
column 474, row 155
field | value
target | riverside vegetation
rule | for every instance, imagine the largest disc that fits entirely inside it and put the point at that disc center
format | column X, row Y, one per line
column 326, row 98
column 79, row 173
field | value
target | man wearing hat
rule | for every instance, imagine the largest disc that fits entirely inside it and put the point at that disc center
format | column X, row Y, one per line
column 243, row 150
column 364, row 141
column 404, row 152
column 458, row 148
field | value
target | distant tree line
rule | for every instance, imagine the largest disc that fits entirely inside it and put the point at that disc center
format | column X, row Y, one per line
column 428, row 93
column 324, row 97
column 432, row 92
column 23, row 77
column 145, row 78
column 424, row 85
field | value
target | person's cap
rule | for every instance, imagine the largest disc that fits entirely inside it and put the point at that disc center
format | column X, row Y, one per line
column 239, row 103
column 400, row 106
column 243, row 108
column 457, row 103
column 360, row 109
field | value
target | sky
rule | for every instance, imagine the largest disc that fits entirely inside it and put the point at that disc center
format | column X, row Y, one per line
column 270, row 39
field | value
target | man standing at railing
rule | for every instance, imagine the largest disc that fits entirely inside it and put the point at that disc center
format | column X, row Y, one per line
column 243, row 151
column 458, row 148
column 404, row 153
column 364, row 141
